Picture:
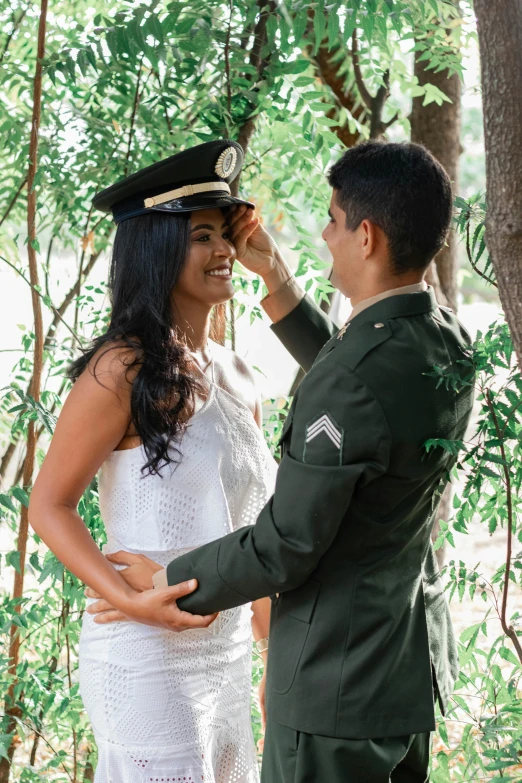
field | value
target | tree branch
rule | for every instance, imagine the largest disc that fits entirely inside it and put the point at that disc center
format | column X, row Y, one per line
column 509, row 630
column 16, row 24
column 361, row 86
column 58, row 317
column 13, row 201
column 133, row 117
column 12, row 705
column 227, row 61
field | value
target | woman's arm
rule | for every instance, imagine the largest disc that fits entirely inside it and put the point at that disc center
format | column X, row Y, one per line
column 261, row 621
column 93, row 421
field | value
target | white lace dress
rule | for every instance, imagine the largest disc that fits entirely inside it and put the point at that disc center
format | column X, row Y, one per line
column 168, row 706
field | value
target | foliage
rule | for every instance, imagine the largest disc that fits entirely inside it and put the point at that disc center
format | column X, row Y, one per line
column 482, row 732
column 470, row 221
column 124, row 85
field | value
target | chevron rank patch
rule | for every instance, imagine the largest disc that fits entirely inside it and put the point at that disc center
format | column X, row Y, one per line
column 323, row 441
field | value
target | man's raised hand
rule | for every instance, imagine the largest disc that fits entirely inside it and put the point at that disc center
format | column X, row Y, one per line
column 255, row 248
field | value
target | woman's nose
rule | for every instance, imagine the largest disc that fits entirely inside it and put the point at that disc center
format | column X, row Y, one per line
column 225, row 248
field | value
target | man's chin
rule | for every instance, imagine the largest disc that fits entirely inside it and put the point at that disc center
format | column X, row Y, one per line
column 338, row 284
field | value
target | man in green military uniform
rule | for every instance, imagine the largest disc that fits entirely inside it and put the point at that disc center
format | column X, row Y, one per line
column 360, row 642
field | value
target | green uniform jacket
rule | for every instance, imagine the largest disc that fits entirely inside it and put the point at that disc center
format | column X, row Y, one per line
column 361, row 617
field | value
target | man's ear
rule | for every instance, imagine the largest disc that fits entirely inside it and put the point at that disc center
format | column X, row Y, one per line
column 368, row 238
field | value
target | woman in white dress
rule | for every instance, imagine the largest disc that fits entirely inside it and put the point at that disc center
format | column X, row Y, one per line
column 171, row 420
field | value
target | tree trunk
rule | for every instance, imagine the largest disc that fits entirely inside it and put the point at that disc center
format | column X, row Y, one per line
column 438, row 129
column 12, row 707
column 500, row 39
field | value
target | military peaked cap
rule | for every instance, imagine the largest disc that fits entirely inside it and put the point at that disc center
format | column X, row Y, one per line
column 197, row 178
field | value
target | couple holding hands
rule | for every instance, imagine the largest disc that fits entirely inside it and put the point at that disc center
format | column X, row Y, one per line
column 327, row 558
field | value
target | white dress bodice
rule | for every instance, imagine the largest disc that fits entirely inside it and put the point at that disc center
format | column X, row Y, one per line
column 176, row 706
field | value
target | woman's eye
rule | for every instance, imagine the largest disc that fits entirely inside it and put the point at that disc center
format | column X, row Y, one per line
column 227, row 235
column 203, row 238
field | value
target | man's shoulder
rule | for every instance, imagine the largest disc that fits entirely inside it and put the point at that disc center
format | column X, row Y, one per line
column 366, row 342
column 360, row 340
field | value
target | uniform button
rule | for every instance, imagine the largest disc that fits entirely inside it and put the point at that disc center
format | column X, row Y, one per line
column 378, row 326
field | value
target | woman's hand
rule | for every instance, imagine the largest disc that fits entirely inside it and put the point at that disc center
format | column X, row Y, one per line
column 138, row 574
column 255, row 248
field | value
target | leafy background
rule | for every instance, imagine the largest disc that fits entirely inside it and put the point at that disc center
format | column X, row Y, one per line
column 127, row 83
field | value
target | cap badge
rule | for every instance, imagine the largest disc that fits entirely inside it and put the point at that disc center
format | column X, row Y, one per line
column 226, row 162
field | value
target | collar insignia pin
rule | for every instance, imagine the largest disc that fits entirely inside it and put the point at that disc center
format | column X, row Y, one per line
column 342, row 331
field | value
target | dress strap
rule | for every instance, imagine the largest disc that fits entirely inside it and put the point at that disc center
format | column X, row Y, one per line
column 211, row 365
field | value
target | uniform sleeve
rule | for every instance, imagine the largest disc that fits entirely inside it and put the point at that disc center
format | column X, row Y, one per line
column 338, row 440
column 304, row 331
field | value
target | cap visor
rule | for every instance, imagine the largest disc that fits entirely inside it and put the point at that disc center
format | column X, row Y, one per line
column 193, row 203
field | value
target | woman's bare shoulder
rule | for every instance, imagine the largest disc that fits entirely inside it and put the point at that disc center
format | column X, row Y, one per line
column 115, row 365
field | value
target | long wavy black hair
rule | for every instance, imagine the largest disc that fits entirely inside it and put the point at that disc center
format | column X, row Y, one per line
column 149, row 254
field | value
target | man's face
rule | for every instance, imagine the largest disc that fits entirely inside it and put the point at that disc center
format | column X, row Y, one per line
column 347, row 249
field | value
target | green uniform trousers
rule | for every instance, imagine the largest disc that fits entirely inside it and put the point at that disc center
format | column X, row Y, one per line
column 295, row 757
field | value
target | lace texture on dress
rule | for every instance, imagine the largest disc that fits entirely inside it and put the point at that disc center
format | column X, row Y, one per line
column 168, row 706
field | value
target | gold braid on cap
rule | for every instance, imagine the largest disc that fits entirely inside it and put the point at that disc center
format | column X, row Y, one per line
column 187, row 190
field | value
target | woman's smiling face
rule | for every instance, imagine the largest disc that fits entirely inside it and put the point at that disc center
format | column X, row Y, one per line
column 207, row 274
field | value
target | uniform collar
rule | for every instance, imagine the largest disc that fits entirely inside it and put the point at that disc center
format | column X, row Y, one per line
column 392, row 306
column 396, row 306
column 416, row 288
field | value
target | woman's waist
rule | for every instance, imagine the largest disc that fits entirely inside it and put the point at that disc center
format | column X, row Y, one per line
column 231, row 629
column 161, row 556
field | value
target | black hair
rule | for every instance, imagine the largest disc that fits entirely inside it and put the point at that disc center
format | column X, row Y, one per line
column 148, row 256
column 401, row 188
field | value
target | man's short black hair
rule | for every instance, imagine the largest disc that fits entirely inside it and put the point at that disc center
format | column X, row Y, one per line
column 401, row 188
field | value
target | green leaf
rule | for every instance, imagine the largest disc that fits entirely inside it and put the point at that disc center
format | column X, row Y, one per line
column 13, row 559
column 296, row 66
column 333, row 28
column 509, row 656
column 6, row 501
column 319, row 28
column 299, row 27
column 433, row 94
column 21, row 495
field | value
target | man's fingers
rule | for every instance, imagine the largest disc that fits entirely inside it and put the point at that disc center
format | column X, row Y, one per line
column 177, row 591
column 124, row 558
column 240, row 220
column 90, row 593
column 187, row 620
column 238, row 212
column 241, row 238
column 240, row 224
column 112, row 616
